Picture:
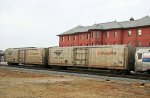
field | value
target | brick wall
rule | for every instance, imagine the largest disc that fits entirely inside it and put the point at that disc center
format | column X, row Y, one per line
column 118, row 36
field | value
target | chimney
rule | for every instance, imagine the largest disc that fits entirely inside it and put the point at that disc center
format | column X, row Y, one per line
column 131, row 19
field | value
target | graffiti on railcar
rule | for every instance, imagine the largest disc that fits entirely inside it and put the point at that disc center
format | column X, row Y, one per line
column 105, row 53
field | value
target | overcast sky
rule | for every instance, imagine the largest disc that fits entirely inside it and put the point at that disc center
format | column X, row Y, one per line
column 26, row 23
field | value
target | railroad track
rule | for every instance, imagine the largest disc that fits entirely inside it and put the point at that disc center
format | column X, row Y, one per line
column 84, row 71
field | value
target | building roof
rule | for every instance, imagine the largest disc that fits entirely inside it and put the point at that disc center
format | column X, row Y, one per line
column 111, row 25
column 145, row 21
column 77, row 30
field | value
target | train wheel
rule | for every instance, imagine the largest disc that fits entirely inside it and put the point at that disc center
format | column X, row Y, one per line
column 9, row 63
column 127, row 72
column 114, row 71
column 120, row 72
column 46, row 66
column 148, row 72
column 12, row 63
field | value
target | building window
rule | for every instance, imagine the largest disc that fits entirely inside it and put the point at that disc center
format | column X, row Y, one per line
column 87, row 44
column 129, row 33
column 98, row 34
column 129, row 44
column 139, row 55
column 68, row 38
column 107, row 43
column 80, row 37
column 139, row 44
column 75, row 37
column 88, row 36
column 139, row 32
column 93, row 34
column 92, row 44
column 62, row 38
column 115, row 34
column 115, row 43
column 107, row 34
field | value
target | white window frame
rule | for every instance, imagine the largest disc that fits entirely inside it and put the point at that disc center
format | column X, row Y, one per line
column 93, row 34
column 107, row 43
column 62, row 38
column 107, row 34
column 98, row 34
column 129, row 43
column 115, row 34
column 115, row 43
column 74, row 37
column 139, row 32
column 68, row 38
column 129, row 33
column 139, row 44
column 88, row 36
column 80, row 37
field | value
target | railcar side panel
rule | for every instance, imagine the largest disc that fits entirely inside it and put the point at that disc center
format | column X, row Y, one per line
column 146, row 61
column 62, row 56
column 11, row 55
column 35, row 56
column 107, row 57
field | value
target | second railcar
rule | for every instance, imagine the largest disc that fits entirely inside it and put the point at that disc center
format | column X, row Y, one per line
column 119, row 57
column 61, row 56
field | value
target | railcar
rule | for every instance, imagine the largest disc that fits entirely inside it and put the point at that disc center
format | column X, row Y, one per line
column 142, row 59
column 33, row 56
column 11, row 56
column 116, row 57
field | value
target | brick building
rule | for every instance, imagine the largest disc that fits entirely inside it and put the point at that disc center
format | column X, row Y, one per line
column 133, row 32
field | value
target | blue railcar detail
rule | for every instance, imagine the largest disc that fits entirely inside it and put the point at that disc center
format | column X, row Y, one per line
column 146, row 60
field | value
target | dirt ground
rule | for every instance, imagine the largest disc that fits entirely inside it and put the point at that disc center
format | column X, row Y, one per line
column 14, row 84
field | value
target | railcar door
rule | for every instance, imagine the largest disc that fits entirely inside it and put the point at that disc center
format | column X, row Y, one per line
column 80, row 56
column 138, row 63
column 22, row 56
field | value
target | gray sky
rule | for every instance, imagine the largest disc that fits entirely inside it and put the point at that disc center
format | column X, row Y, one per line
column 36, row 23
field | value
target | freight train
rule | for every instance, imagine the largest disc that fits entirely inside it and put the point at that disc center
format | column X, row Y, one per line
column 121, row 58
column 2, row 53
